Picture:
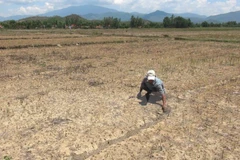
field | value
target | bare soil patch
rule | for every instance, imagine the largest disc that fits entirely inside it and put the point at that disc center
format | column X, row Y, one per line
column 79, row 101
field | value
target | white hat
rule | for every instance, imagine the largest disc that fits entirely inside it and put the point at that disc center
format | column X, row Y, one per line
column 151, row 77
column 151, row 72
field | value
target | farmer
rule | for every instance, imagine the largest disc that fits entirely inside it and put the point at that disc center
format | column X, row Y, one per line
column 151, row 83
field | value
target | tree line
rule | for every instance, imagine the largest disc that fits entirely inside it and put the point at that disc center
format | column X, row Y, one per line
column 75, row 21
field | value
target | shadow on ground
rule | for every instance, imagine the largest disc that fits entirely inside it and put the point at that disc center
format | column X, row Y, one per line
column 155, row 98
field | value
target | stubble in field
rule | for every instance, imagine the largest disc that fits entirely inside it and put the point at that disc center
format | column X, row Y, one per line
column 78, row 101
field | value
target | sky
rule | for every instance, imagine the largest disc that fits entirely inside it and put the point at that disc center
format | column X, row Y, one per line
column 201, row 7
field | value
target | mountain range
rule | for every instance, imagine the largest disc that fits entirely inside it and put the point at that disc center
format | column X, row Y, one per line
column 92, row 12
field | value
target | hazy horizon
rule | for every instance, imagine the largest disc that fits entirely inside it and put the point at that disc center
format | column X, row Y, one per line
column 200, row 7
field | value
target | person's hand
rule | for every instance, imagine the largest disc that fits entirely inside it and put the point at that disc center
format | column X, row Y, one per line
column 164, row 106
column 166, row 109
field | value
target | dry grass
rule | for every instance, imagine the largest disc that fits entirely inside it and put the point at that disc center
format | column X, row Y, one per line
column 31, row 42
column 79, row 101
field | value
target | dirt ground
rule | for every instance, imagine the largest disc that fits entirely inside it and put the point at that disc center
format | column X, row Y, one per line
column 72, row 94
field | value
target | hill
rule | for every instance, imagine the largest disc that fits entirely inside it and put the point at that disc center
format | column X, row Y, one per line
column 195, row 18
column 91, row 12
column 40, row 18
column 232, row 16
column 2, row 18
column 156, row 16
column 17, row 17
column 120, row 15
column 54, row 18
column 80, row 10
column 191, row 15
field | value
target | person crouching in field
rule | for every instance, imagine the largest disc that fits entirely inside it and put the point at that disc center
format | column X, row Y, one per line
column 151, row 83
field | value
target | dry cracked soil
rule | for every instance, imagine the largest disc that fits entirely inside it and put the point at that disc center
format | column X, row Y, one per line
column 73, row 96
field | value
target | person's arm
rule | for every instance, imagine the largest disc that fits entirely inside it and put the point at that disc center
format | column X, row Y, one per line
column 140, row 89
column 142, row 85
column 161, row 89
column 164, row 100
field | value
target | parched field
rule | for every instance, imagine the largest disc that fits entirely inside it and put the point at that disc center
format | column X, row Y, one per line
column 72, row 94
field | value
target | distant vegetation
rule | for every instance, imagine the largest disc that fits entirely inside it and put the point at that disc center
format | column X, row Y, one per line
column 75, row 21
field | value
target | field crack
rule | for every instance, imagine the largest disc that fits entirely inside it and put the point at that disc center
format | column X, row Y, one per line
column 109, row 143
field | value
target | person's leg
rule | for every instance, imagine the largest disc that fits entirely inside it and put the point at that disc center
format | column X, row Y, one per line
column 148, row 95
column 148, row 92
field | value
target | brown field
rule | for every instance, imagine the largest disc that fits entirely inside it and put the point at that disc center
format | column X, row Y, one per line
column 71, row 94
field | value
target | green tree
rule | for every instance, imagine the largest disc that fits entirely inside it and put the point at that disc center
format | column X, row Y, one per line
column 180, row 22
column 116, row 23
column 231, row 24
column 72, row 19
column 124, row 24
column 167, row 22
column 139, row 22
column 107, row 22
column 205, row 24
column 190, row 24
column 110, row 22
column 133, row 22
column 176, row 22
column 12, row 24
column 136, row 22
column 172, row 21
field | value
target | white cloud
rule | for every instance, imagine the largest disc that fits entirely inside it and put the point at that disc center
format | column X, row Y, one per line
column 202, row 1
column 20, row 1
column 49, row 5
column 204, row 7
column 218, row 7
column 118, row 1
column 31, row 10
column 34, row 10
